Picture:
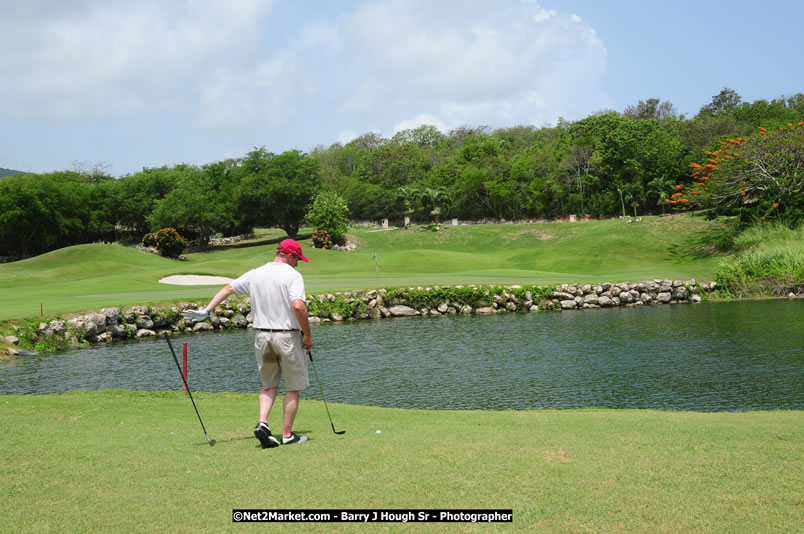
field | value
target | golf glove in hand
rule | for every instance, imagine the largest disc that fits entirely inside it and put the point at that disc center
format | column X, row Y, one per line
column 195, row 315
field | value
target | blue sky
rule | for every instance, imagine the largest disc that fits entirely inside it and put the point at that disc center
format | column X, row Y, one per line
column 160, row 82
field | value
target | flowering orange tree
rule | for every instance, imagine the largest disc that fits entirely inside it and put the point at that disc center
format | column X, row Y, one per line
column 757, row 179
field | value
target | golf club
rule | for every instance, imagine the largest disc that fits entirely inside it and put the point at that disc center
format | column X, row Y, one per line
column 310, row 354
column 175, row 359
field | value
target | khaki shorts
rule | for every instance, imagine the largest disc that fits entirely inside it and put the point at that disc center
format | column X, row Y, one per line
column 281, row 354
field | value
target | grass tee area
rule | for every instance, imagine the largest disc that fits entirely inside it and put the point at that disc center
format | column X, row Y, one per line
column 87, row 277
column 139, row 462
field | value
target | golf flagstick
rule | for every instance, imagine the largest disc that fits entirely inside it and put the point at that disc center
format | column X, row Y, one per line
column 310, row 354
column 175, row 359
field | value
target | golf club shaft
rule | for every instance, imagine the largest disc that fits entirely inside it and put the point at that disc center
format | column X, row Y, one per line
column 320, row 387
column 175, row 359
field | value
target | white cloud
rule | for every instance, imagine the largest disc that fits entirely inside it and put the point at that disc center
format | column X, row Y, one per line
column 511, row 63
column 543, row 15
column 265, row 94
column 421, row 120
column 98, row 59
column 320, row 34
column 469, row 61
column 345, row 136
column 214, row 74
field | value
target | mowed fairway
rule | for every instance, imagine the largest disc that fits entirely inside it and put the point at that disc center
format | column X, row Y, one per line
column 87, row 277
column 138, row 462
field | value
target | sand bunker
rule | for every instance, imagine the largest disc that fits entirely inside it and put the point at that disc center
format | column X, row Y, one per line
column 195, row 280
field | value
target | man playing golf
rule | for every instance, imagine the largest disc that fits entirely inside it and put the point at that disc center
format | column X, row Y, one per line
column 279, row 311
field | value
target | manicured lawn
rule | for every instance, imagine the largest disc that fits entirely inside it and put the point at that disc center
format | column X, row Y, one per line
column 138, row 462
column 89, row 277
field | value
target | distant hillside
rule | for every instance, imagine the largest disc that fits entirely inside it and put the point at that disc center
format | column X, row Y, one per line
column 8, row 172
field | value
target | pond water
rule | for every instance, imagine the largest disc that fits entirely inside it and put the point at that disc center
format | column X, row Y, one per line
column 707, row 357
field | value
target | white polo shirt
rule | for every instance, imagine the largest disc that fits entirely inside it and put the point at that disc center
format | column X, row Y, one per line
column 272, row 289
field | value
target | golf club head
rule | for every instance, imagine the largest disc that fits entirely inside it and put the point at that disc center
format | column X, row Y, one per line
column 211, row 441
column 339, row 433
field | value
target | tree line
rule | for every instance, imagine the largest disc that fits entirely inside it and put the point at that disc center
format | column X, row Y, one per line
column 607, row 164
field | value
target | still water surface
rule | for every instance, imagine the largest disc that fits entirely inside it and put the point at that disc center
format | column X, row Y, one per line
column 707, row 357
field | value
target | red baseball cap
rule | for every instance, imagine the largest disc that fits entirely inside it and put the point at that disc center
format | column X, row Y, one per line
column 291, row 246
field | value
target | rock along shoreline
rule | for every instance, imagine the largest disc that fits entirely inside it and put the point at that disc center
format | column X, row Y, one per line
column 136, row 322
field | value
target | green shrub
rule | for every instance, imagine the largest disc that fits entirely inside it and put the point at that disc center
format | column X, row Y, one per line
column 167, row 241
column 340, row 306
column 329, row 213
column 149, row 240
column 322, row 239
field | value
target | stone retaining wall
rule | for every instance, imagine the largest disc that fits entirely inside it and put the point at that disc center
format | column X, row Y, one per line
column 144, row 321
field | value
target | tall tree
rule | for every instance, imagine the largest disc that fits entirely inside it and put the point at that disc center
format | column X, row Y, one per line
column 579, row 165
column 484, row 174
column 660, row 188
column 200, row 205
column 434, row 200
column 39, row 213
column 275, row 190
column 408, row 197
column 652, row 108
column 135, row 197
column 723, row 102
column 423, row 136
column 754, row 179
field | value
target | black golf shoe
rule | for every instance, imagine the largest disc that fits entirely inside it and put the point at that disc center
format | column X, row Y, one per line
column 293, row 438
column 263, row 433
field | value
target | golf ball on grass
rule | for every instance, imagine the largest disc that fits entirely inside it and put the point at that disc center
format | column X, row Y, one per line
column 379, row 432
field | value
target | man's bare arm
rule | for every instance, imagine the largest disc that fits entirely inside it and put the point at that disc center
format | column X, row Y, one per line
column 300, row 309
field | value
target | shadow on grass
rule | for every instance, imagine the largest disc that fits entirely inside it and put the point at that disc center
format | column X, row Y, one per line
column 242, row 437
column 236, row 438
column 696, row 246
